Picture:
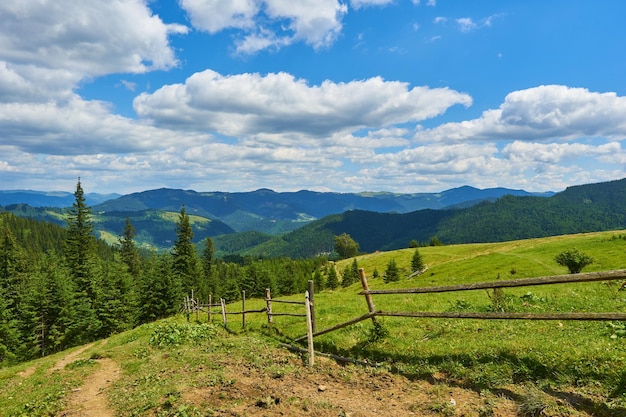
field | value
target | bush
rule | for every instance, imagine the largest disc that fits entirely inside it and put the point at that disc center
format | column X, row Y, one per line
column 574, row 260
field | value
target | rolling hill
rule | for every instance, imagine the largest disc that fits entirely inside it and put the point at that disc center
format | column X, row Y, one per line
column 302, row 224
column 584, row 208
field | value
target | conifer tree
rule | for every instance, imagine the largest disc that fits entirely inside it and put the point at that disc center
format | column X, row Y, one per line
column 350, row 274
column 417, row 263
column 391, row 273
column 185, row 258
column 210, row 277
column 333, row 281
column 79, row 244
column 128, row 250
column 79, row 257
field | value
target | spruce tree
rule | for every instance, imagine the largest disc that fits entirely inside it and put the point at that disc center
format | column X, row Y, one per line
column 391, row 273
column 417, row 263
column 128, row 250
column 210, row 276
column 185, row 258
column 79, row 244
column 350, row 274
column 79, row 258
column 333, row 281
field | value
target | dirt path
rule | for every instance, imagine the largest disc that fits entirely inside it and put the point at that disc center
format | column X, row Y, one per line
column 90, row 399
column 69, row 358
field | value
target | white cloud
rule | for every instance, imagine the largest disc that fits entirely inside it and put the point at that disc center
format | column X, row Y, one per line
column 440, row 19
column 466, row 24
column 541, row 113
column 215, row 15
column 554, row 153
column 87, row 38
column 431, row 3
column 80, row 127
column 271, row 23
column 357, row 4
column 278, row 103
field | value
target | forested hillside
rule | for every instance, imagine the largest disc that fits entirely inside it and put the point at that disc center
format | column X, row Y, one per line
column 585, row 208
column 61, row 286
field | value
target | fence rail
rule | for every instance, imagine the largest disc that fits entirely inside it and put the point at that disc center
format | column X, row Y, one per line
column 523, row 282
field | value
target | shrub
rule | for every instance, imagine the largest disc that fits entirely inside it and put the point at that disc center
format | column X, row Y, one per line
column 574, row 260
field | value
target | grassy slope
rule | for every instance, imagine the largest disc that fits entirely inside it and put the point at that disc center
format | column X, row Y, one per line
column 578, row 363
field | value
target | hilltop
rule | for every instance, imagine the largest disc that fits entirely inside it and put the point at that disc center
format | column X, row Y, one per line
column 415, row 367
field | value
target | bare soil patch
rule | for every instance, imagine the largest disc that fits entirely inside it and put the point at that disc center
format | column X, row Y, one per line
column 90, row 399
column 329, row 389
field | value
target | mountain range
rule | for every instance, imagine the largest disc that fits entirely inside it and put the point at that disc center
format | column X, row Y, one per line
column 303, row 223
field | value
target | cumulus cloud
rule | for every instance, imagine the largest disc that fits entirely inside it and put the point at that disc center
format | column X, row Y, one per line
column 279, row 103
column 80, row 127
column 271, row 23
column 215, row 15
column 541, row 113
column 88, row 38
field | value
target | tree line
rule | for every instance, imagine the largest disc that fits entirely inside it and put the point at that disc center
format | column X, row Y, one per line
column 62, row 286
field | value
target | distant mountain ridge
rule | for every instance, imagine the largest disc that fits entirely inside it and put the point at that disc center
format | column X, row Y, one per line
column 58, row 199
column 582, row 208
column 273, row 212
column 270, row 224
column 256, row 216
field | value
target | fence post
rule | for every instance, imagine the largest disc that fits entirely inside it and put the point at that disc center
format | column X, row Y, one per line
column 208, row 310
column 223, row 303
column 196, row 305
column 268, row 300
column 243, row 309
column 368, row 297
column 309, row 329
column 312, row 302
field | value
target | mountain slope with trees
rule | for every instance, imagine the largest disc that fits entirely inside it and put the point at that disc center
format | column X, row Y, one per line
column 584, row 208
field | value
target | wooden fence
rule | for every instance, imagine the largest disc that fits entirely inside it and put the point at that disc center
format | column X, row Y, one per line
column 192, row 306
column 547, row 280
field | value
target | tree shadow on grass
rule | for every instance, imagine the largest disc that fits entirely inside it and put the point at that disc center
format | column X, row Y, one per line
column 472, row 372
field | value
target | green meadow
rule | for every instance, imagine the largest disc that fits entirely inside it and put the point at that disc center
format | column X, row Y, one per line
column 583, row 362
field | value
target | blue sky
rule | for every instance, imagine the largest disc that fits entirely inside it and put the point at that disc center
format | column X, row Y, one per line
column 327, row 95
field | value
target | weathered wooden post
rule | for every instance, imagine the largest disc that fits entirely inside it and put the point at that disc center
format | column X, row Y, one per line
column 309, row 329
column 243, row 309
column 208, row 310
column 268, row 300
column 368, row 296
column 312, row 301
column 223, row 303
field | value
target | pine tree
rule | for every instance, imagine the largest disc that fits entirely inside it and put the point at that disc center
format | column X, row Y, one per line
column 79, row 244
column 391, row 273
column 417, row 263
column 333, row 281
column 350, row 274
column 185, row 258
column 128, row 250
column 116, row 303
column 210, row 276
column 79, row 257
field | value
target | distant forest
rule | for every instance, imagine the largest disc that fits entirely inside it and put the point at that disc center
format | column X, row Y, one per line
column 62, row 287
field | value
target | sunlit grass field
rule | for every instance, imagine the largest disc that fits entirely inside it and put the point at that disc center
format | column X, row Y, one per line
column 488, row 356
column 482, row 353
